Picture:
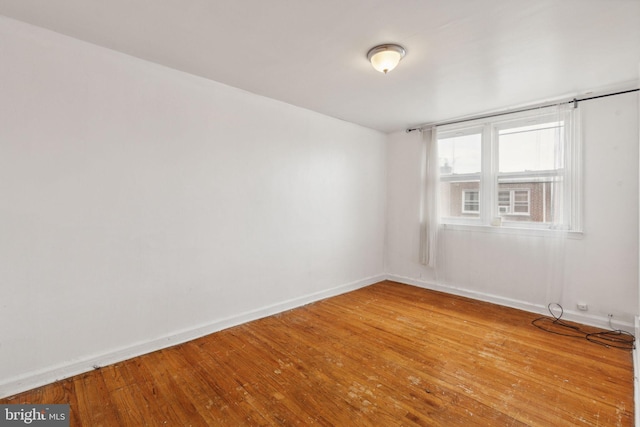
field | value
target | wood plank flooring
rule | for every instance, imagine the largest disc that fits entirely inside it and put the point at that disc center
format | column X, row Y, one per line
column 385, row 355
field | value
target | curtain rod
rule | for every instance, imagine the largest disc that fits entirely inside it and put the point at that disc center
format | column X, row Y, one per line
column 574, row 101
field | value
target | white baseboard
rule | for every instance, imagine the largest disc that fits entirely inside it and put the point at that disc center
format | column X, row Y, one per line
column 574, row 316
column 51, row 374
column 522, row 305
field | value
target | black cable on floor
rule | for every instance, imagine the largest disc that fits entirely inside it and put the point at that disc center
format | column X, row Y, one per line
column 614, row 338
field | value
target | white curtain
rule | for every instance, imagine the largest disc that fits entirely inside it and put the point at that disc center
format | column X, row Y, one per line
column 554, row 247
column 429, row 214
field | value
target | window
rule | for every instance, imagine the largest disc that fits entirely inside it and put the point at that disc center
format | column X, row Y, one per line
column 522, row 168
column 470, row 201
column 513, row 202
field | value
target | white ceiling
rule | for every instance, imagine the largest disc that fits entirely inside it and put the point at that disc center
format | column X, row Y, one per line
column 463, row 56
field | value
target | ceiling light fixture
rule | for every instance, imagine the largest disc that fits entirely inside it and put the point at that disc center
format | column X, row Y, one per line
column 385, row 57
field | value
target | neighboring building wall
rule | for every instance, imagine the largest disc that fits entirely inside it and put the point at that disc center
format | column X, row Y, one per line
column 452, row 192
column 540, row 200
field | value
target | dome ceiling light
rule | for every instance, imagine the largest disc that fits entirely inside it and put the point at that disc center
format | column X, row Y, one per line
column 385, row 57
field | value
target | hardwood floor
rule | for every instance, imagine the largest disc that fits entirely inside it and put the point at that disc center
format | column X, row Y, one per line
column 385, row 355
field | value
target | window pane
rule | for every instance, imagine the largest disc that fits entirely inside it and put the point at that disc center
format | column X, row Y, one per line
column 460, row 154
column 471, row 201
column 531, row 148
column 520, row 201
column 459, row 157
column 521, row 196
column 504, row 198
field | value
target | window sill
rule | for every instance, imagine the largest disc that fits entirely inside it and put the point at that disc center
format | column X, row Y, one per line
column 508, row 229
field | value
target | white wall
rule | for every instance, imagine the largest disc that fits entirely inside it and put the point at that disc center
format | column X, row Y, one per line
column 141, row 206
column 600, row 268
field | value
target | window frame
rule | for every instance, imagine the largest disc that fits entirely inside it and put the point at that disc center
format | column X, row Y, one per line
column 570, row 213
column 476, row 202
column 474, row 128
column 512, row 201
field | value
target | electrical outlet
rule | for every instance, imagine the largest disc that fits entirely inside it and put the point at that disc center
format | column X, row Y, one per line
column 583, row 306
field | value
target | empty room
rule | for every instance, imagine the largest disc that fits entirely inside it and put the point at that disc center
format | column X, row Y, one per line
column 384, row 213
